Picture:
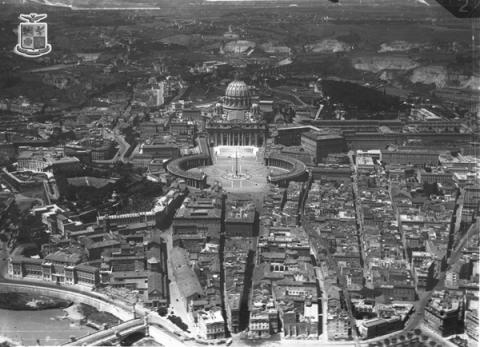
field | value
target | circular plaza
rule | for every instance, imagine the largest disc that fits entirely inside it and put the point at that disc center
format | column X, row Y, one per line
column 237, row 168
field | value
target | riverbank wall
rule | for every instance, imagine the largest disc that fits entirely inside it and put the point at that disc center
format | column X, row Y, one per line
column 119, row 310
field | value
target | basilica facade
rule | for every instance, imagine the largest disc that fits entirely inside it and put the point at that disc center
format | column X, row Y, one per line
column 236, row 121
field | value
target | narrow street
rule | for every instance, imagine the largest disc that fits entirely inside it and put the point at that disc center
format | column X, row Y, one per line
column 343, row 285
column 324, row 300
column 416, row 319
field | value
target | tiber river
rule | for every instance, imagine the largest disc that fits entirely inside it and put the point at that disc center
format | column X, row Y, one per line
column 46, row 326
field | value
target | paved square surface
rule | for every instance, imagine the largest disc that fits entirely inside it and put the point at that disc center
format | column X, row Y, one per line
column 252, row 173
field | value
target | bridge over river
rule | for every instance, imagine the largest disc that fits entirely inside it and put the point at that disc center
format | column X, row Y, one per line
column 149, row 323
column 113, row 335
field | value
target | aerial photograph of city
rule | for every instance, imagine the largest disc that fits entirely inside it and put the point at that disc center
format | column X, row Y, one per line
column 245, row 173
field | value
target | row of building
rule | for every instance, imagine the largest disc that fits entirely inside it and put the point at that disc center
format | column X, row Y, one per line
column 285, row 295
column 330, row 220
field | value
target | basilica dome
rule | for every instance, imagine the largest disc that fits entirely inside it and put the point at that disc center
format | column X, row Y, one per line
column 237, row 89
column 237, row 96
column 237, row 99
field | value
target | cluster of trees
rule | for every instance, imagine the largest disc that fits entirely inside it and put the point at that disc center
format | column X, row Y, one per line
column 98, row 317
column 358, row 97
column 83, row 194
column 162, row 311
column 31, row 230
column 134, row 191
column 178, row 322
column 131, row 137
column 326, row 65
column 410, row 338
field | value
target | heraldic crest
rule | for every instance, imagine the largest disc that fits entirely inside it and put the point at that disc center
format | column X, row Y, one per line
column 32, row 36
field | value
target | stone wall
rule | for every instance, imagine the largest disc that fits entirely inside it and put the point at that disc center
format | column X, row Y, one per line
column 118, row 309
